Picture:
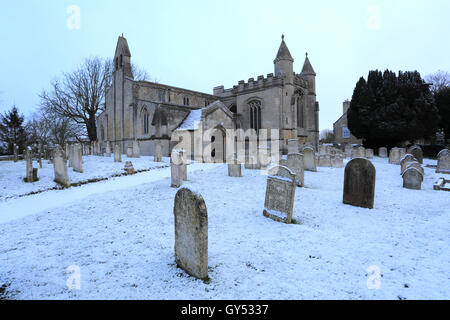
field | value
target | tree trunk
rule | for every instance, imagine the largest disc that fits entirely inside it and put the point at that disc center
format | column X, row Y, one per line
column 92, row 128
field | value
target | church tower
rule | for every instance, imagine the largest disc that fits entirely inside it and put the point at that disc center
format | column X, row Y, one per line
column 284, row 63
column 122, row 58
column 309, row 74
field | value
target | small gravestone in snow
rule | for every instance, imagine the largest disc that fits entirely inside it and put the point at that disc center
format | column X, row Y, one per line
column 417, row 152
column 369, row 153
column 412, row 179
column 280, row 194
column 77, row 160
column 60, row 167
column 382, row 152
column 394, row 156
column 29, row 164
column 359, row 183
column 295, row 163
column 443, row 165
column 309, row 159
column 191, row 233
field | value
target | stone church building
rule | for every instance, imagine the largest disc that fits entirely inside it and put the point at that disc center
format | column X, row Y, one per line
column 150, row 112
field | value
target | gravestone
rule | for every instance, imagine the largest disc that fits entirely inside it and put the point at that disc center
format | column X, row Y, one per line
column 295, row 163
column 108, row 149
column 359, row 183
column 325, row 160
column 191, row 233
column 416, row 165
column 29, row 164
column 16, row 152
column 309, row 159
column 402, row 152
column 443, row 165
column 337, row 162
column 129, row 152
column 117, row 153
column 394, row 156
column 280, row 194
column 417, row 152
column 412, row 179
column 405, row 161
column 292, row 146
column 136, row 149
column 234, row 169
column 60, row 167
column 369, row 153
column 176, row 169
column 157, row 151
column 77, row 158
column 129, row 169
column 382, row 152
column 70, row 148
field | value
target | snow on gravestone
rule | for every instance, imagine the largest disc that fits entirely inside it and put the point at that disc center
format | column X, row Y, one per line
column 443, row 165
column 117, row 153
column 417, row 152
column 382, row 152
column 191, row 233
column 280, row 193
column 60, row 167
column 412, row 179
column 77, row 160
column 408, row 158
column 359, row 183
column 295, row 163
column 235, row 169
column 309, row 159
column 416, row 165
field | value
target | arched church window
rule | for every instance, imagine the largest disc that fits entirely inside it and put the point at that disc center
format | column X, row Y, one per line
column 255, row 115
column 233, row 108
column 145, row 121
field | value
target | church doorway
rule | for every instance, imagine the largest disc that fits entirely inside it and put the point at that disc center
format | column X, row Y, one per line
column 218, row 145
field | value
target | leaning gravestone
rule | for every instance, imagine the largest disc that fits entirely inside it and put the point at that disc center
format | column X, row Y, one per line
column 295, row 163
column 412, row 179
column 191, row 233
column 117, row 153
column 359, row 183
column 136, row 149
column 60, row 167
column 309, row 159
column 394, row 156
column 234, row 169
column 417, row 152
column 443, row 165
column 382, row 152
column 77, row 158
column 29, row 164
column 280, row 194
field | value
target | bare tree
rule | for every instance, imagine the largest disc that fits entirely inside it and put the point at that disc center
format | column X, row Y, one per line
column 80, row 95
column 326, row 136
column 439, row 80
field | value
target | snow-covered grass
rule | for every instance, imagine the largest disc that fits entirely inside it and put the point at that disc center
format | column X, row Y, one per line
column 120, row 233
column 94, row 167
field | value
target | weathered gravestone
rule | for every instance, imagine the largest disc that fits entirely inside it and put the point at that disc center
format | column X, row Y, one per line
column 117, row 153
column 359, row 183
column 77, row 158
column 177, row 169
column 292, row 146
column 136, row 149
column 280, row 194
column 70, row 148
column 443, row 165
column 402, row 152
column 191, row 233
column 309, row 159
column 234, row 169
column 337, row 162
column 417, row 152
column 29, row 164
column 108, row 149
column 412, row 179
column 382, row 152
column 16, row 152
column 295, row 163
column 394, row 156
column 405, row 161
column 130, row 152
column 416, row 165
column 369, row 153
column 60, row 167
column 158, row 151
column 325, row 160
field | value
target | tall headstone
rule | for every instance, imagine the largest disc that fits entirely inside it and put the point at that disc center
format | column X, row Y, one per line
column 108, row 149
column 16, row 152
column 443, row 165
column 136, row 149
column 417, row 152
column 359, row 183
column 191, row 233
column 280, row 194
column 117, row 153
column 394, row 156
column 295, row 163
column 70, row 154
column 29, row 164
column 412, row 179
column 60, row 167
column 157, row 151
column 77, row 158
column 309, row 159
column 382, row 152
column 176, row 169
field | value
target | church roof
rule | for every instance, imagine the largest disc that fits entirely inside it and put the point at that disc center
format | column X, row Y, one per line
column 283, row 52
column 307, row 67
column 192, row 120
column 122, row 47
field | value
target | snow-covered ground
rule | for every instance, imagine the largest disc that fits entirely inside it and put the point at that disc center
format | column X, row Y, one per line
column 94, row 167
column 120, row 233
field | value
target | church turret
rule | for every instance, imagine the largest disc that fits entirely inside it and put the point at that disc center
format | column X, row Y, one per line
column 284, row 63
column 309, row 74
column 122, row 57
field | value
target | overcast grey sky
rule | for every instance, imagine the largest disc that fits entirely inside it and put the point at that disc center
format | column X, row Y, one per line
column 201, row 44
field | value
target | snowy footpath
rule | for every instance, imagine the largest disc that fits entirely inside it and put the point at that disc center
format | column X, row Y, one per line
column 120, row 233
